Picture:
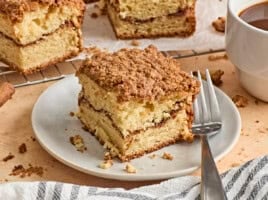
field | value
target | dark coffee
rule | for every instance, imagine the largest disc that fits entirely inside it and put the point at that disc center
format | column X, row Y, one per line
column 256, row 15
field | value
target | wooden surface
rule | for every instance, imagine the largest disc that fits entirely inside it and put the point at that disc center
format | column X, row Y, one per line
column 15, row 129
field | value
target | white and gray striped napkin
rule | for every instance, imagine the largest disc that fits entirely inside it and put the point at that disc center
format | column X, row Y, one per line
column 249, row 181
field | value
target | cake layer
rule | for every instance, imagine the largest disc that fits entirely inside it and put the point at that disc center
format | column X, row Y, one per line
column 131, row 115
column 180, row 24
column 58, row 46
column 165, row 133
column 39, row 19
column 146, row 10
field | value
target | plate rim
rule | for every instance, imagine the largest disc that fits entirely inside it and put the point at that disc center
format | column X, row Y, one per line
column 132, row 177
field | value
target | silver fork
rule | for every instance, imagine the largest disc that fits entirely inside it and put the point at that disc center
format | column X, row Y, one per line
column 208, row 122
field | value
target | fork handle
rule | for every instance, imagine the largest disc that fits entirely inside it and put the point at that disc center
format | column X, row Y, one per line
column 211, row 185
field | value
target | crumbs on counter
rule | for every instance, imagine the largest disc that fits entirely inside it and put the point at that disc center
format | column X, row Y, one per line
column 22, row 148
column 217, row 57
column 219, row 24
column 21, row 171
column 78, row 142
column 240, row 101
column 235, row 164
column 167, row 156
column 216, row 76
column 8, row 157
column 135, row 43
column 33, row 138
column 130, row 169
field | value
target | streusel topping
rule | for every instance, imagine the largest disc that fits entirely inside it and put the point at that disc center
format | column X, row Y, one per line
column 15, row 9
column 138, row 74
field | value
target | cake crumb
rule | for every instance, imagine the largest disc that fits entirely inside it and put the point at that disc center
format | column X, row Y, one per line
column 152, row 156
column 130, row 169
column 219, row 24
column 33, row 138
column 240, row 101
column 72, row 114
column 216, row 76
column 235, row 164
column 94, row 15
column 106, row 164
column 135, row 43
column 217, row 57
column 8, row 157
column 92, row 50
column 22, row 148
column 107, row 156
column 22, row 172
column 78, row 142
column 257, row 121
column 167, row 156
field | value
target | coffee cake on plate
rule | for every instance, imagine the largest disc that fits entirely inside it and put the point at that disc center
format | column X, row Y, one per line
column 136, row 101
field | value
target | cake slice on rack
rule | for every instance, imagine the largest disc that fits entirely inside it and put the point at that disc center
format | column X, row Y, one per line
column 36, row 34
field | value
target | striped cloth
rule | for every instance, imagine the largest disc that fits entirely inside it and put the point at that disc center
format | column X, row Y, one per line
column 249, row 181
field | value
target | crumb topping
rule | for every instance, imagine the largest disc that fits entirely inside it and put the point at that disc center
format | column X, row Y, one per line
column 15, row 9
column 8, row 157
column 78, row 142
column 138, row 74
column 240, row 101
column 22, row 148
column 219, row 24
column 130, row 169
column 167, row 156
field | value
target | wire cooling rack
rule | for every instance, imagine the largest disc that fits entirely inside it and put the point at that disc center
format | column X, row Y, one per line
column 61, row 70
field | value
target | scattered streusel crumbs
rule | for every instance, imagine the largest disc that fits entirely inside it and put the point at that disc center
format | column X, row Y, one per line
column 219, row 24
column 22, row 172
column 130, row 169
column 78, row 142
column 216, row 76
column 135, row 43
column 152, row 156
column 107, row 156
column 33, row 138
column 72, row 114
column 106, row 164
column 167, row 156
column 240, row 101
column 22, row 148
column 217, row 57
column 94, row 15
column 235, row 164
column 8, row 157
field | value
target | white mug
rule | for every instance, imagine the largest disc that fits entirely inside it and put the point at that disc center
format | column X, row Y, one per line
column 247, row 48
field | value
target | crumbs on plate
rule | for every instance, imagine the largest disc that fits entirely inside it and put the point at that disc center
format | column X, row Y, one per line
column 78, row 142
column 167, row 156
column 106, row 164
column 130, row 169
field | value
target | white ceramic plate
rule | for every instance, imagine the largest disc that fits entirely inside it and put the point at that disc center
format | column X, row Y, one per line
column 53, row 126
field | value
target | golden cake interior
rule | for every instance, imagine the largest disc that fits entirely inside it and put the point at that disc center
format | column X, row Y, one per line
column 138, row 19
column 136, row 101
column 31, row 32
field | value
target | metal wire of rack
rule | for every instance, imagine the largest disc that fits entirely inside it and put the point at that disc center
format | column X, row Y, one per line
column 61, row 70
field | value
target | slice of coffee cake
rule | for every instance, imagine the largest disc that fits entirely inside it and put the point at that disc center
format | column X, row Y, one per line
column 35, row 34
column 136, row 101
column 138, row 19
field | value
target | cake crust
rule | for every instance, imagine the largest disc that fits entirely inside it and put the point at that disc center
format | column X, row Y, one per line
column 15, row 9
column 139, row 74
